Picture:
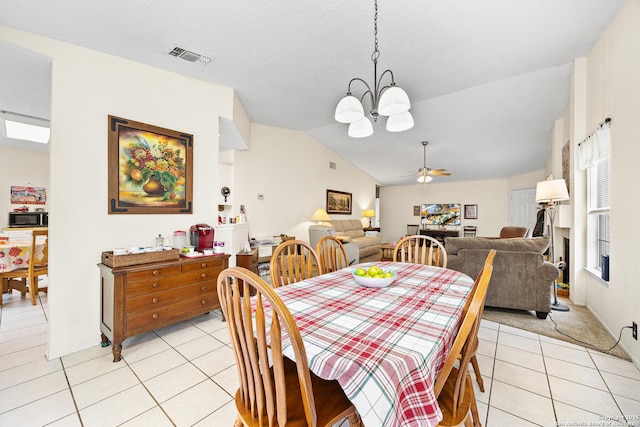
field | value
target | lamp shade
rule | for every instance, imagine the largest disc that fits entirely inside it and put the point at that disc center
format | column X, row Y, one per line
column 369, row 213
column 551, row 191
column 320, row 215
column 349, row 110
column 400, row 122
column 393, row 101
column 361, row 128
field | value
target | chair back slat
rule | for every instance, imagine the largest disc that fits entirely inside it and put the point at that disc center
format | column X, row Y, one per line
column 420, row 249
column 293, row 261
column 258, row 347
column 331, row 254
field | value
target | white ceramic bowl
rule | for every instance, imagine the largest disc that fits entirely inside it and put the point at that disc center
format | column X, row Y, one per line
column 374, row 282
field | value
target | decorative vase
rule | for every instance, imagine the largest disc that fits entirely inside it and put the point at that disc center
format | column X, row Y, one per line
column 153, row 187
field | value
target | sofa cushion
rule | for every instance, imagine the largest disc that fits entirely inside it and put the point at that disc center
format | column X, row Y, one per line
column 535, row 244
column 348, row 227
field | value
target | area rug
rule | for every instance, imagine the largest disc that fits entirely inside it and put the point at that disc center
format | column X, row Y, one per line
column 577, row 326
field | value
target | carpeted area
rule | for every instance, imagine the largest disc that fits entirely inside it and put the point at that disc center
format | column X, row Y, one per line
column 579, row 323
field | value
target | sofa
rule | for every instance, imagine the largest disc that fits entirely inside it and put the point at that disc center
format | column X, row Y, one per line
column 352, row 231
column 521, row 278
column 317, row 232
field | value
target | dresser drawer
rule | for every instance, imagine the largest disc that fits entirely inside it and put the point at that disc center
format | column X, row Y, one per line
column 210, row 262
column 154, row 300
column 164, row 283
column 162, row 316
column 153, row 272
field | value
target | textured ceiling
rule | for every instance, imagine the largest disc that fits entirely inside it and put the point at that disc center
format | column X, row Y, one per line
column 486, row 79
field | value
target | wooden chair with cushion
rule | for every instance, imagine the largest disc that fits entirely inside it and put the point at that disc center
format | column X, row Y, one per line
column 26, row 279
column 274, row 391
column 292, row 261
column 453, row 386
column 420, row 250
column 332, row 254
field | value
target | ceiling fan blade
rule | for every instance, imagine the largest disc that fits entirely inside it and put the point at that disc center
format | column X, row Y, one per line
column 439, row 172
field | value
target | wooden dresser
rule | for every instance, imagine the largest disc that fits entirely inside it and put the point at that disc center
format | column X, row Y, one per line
column 141, row 298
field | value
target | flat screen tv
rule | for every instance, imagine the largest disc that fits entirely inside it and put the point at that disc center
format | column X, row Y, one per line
column 440, row 214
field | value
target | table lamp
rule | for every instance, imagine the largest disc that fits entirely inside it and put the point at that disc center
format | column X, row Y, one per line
column 551, row 192
column 320, row 215
column 369, row 213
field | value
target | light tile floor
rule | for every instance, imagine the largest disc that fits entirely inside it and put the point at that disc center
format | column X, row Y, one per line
column 184, row 375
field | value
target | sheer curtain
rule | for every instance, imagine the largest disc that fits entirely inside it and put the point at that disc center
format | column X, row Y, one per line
column 596, row 147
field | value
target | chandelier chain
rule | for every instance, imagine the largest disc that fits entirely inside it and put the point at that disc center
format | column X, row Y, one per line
column 376, row 53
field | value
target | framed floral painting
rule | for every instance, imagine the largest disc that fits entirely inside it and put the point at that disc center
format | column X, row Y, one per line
column 150, row 169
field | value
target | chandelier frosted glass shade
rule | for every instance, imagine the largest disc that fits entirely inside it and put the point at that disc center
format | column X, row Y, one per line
column 360, row 128
column 423, row 179
column 349, row 110
column 400, row 122
column 393, row 101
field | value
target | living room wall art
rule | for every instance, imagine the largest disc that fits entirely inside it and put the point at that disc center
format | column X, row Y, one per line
column 338, row 202
column 150, row 169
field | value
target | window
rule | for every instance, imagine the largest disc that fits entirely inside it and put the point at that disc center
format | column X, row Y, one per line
column 598, row 212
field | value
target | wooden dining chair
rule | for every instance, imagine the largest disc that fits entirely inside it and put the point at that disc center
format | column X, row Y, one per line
column 474, row 346
column 292, row 261
column 420, row 249
column 274, row 391
column 26, row 279
column 453, row 387
column 332, row 254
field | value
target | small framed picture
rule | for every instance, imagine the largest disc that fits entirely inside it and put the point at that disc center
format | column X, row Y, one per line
column 416, row 210
column 470, row 211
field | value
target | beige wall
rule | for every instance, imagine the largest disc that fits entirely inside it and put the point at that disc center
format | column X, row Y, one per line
column 607, row 84
column 491, row 196
column 290, row 169
column 20, row 167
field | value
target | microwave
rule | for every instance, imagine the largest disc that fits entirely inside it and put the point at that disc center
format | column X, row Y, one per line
column 28, row 219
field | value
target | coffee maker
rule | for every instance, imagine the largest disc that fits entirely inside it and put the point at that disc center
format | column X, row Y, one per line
column 201, row 236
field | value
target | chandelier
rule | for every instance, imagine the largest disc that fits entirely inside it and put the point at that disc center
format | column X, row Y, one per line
column 388, row 100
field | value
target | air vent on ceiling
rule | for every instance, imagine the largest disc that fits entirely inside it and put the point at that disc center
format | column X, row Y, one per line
column 189, row 56
column 332, row 165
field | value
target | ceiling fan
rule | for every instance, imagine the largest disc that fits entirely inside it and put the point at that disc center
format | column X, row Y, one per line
column 426, row 174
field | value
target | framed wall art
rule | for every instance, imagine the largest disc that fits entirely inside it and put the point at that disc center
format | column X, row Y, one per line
column 470, row 211
column 150, row 169
column 338, row 202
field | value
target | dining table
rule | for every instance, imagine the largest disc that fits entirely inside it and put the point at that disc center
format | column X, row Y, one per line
column 385, row 346
column 14, row 254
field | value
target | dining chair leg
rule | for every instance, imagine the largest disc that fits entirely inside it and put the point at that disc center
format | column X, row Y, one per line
column 476, row 369
column 238, row 422
column 475, row 415
column 33, row 289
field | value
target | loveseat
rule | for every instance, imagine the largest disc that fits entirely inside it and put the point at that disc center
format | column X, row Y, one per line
column 521, row 278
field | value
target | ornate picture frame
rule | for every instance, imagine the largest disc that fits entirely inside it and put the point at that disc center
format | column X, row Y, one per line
column 338, row 202
column 150, row 169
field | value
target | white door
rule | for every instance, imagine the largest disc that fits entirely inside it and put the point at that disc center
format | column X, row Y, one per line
column 523, row 208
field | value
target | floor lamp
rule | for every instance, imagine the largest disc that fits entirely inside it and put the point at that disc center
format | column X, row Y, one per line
column 551, row 192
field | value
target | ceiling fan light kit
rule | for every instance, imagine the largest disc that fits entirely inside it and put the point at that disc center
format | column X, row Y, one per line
column 389, row 100
column 426, row 174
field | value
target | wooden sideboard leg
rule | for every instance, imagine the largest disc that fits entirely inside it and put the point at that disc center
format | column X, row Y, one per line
column 104, row 341
column 116, row 350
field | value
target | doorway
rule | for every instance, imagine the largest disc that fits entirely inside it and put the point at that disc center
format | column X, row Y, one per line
column 523, row 208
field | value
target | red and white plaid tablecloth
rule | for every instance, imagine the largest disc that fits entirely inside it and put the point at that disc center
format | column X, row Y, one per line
column 384, row 346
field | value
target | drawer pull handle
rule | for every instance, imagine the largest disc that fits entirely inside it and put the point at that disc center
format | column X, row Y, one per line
column 155, row 285
column 155, row 315
column 156, row 272
column 203, row 276
column 203, row 289
column 203, row 265
column 203, row 302
column 155, row 300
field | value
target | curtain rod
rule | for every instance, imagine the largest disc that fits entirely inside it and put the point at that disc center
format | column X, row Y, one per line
column 607, row 120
